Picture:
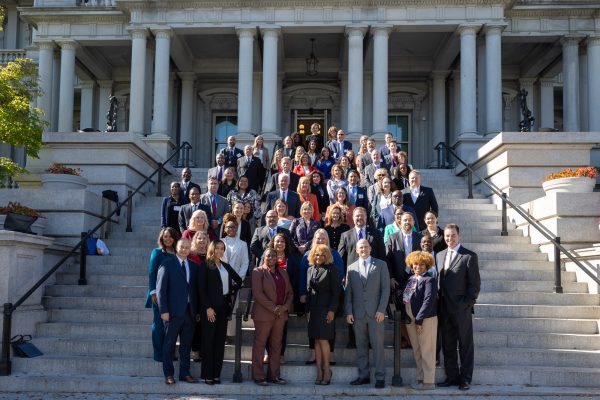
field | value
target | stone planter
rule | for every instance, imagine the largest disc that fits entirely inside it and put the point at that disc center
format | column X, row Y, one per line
column 37, row 227
column 63, row 181
column 569, row 185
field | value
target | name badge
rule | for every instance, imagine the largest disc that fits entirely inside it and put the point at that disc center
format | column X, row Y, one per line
column 176, row 208
column 360, row 196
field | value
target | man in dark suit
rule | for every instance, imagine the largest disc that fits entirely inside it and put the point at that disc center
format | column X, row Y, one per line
column 387, row 216
column 177, row 295
column 459, row 281
column 369, row 174
column 357, row 195
column 290, row 197
column 391, row 158
column 251, row 167
column 340, row 146
column 186, row 211
column 231, row 153
column 399, row 245
column 186, row 185
column 263, row 235
column 348, row 239
column 218, row 205
column 420, row 198
column 385, row 148
column 366, row 159
column 218, row 171
column 286, row 169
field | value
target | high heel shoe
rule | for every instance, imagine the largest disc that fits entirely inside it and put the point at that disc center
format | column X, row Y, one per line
column 319, row 379
column 328, row 381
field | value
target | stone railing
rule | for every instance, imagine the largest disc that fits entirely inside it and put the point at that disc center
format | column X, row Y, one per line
column 10, row 55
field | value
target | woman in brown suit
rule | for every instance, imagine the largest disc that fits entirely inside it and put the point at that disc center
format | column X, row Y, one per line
column 273, row 297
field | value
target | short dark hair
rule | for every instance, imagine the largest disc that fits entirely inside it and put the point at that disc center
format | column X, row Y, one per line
column 452, row 226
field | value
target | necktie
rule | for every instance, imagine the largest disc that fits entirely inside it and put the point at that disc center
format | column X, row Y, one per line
column 183, row 268
column 353, row 196
column 365, row 268
column 220, row 174
column 341, row 149
column 247, row 161
column 284, row 195
column 448, row 260
column 271, row 233
column 360, row 234
column 213, row 205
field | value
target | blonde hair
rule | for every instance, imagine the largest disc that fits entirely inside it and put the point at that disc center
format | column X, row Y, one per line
column 193, row 226
column 320, row 248
column 420, row 258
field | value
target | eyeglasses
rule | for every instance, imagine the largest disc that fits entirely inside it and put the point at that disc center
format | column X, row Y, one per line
column 230, row 227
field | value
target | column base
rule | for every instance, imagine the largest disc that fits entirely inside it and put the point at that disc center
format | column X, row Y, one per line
column 160, row 143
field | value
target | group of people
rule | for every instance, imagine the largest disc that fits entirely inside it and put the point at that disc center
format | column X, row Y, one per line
column 323, row 232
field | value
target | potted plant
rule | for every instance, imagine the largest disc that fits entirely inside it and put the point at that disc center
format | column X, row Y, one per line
column 579, row 180
column 59, row 176
column 20, row 218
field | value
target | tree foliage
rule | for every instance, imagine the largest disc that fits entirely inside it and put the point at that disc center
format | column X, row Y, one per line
column 21, row 124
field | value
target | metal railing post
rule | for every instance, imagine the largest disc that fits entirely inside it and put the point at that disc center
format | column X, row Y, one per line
column 159, row 183
column 83, row 260
column 470, row 182
column 5, row 363
column 504, row 231
column 397, row 378
column 129, row 211
column 557, row 279
column 439, row 155
column 237, row 374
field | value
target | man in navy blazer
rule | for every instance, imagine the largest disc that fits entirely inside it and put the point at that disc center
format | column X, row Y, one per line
column 340, row 146
column 186, row 185
column 290, row 197
column 251, row 167
column 231, row 153
column 263, row 235
column 459, row 285
column 357, row 195
column 177, row 294
column 420, row 198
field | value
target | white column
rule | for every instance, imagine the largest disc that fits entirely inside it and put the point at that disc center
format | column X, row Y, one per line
column 570, row 64
column 593, row 48
column 105, row 90
column 468, row 75
column 481, row 86
column 149, row 88
column 162, row 56
column 86, row 113
column 343, row 117
column 55, row 90
column 138, row 80
column 67, row 81
column 187, row 106
column 455, row 106
column 381, row 34
column 246, row 38
column 583, row 90
column 546, row 118
column 493, row 78
column 269, row 80
column 439, row 106
column 355, row 79
column 45, row 61
column 11, row 30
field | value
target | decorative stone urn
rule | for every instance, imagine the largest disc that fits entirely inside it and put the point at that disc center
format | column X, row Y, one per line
column 63, row 181
column 569, row 185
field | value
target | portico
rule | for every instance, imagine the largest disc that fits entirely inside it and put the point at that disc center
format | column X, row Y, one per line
column 428, row 72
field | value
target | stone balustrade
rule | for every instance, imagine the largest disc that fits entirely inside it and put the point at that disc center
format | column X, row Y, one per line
column 7, row 56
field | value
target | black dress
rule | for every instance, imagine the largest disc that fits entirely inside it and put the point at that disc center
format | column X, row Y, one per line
column 439, row 244
column 335, row 234
column 323, row 296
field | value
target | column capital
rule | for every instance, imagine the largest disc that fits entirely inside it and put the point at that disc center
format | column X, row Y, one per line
column 381, row 30
column 593, row 39
column 86, row 84
column 106, row 84
column 68, row 44
column 356, row 30
column 138, row 32
column 493, row 29
column 526, row 81
column 440, row 74
column 45, row 45
column 572, row 40
column 162, row 32
column 468, row 29
column 270, row 31
column 187, row 76
column 547, row 82
column 245, row 31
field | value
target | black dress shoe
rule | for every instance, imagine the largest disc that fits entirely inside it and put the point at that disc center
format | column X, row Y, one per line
column 278, row 381
column 261, row 382
column 448, row 382
column 464, row 386
column 209, row 381
column 379, row 384
column 310, row 362
column 360, row 381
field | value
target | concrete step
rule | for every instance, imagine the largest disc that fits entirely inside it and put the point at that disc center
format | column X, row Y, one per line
column 531, row 286
column 106, row 279
column 514, row 265
column 122, row 269
column 137, row 367
column 534, row 298
column 505, row 275
column 97, row 291
column 69, row 315
column 474, row 205
column 537, row 311
column 544, row 325
column 512, row 256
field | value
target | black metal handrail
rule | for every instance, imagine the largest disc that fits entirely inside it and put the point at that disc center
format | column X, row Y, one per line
column 9, row 308
column 555, row 240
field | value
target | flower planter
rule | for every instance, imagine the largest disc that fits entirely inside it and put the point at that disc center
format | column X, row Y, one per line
column 569, row 185
column 63, row 181
column 17, row 222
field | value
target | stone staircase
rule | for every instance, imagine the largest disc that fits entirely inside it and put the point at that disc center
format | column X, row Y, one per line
column 97, row 338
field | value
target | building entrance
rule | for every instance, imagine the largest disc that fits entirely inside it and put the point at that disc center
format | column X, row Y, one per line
column 303, row 120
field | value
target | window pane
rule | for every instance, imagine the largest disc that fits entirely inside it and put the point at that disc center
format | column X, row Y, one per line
column 225, row 126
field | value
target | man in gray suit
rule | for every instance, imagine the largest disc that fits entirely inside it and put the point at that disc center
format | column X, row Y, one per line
column 366, row 298
column 218, row 204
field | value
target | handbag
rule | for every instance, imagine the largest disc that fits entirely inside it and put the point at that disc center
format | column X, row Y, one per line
column 22, row 348
column 90, row 245
column 102, row 248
